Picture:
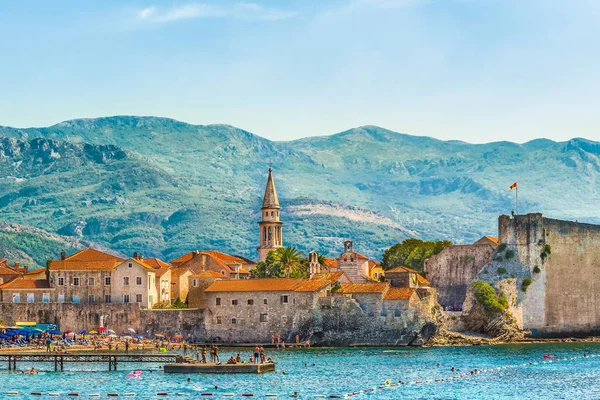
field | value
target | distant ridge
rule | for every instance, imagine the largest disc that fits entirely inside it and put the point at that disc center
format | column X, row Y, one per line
column 163, row 187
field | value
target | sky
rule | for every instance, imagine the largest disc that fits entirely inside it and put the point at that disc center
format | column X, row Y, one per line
column 471, row 70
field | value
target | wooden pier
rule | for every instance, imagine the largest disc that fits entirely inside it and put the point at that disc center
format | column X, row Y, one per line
column 112, row 359
column 223, row 368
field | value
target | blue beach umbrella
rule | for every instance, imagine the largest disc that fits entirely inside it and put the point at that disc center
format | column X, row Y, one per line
column 54, row 332
column 82, row 332
column 3, row 336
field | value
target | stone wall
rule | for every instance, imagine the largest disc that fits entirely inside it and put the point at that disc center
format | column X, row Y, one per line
column 119, row 317
column 452, row 271
column 563, row 298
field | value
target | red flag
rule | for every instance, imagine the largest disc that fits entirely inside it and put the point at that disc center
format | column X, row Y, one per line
column 513, row 186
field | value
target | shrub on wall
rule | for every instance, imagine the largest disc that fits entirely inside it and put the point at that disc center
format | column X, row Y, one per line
column 486, row 296
column 525, row 284
column 501, row 247
column 498, row 259
column 509, row 254
column 501, row 271
column 537, row 269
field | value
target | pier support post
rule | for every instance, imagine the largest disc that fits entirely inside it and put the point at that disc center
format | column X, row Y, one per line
column 9, row 363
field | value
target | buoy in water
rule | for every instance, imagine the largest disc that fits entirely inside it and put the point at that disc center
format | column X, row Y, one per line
column 12, row 392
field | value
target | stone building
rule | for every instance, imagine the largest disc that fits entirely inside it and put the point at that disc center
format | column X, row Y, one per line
column 452, row 271
column 357, row 267
column 9, row 273
column 180, row 283
column 403, row 277
column 253, row 310
column 197, row 284
column 162, row 272
column 133, row 281
column 229, row 266
column 23, row 290
column 270, row 232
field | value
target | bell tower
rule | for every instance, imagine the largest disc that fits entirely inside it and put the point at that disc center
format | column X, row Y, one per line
column 269, row 227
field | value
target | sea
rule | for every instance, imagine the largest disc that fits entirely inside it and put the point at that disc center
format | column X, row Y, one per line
column 568, row 371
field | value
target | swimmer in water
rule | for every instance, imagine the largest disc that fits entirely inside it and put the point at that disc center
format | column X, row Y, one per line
column 295, row 394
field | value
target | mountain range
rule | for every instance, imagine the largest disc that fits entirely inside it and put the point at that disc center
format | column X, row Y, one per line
column 163, row 187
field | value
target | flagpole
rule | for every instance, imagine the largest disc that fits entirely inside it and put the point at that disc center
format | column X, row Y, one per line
column 517, row 194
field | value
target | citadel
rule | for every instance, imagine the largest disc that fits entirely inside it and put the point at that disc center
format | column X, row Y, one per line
column 544, row 267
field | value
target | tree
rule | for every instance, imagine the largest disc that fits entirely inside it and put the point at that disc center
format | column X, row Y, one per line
column 283, row 262
column 412, row 253
column 289, row 260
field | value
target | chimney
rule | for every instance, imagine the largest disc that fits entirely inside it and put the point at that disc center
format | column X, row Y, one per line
column 203, row 262
column 135, row 255
column 17, row 266
column 63, row 255
column 25, row 269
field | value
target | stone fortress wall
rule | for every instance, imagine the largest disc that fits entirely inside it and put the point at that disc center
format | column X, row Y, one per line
column 564, row 296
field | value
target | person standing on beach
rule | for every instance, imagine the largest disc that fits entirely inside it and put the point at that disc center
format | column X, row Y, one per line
column 204, row 354
column 184, row 348
column 212, row 353
column 48, row 345
column 127, row 347
column 217, row 354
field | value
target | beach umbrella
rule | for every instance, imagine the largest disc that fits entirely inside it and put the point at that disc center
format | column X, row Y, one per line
column 126, row 337
column 111, row 331
column 54, row 332
column 131, row 330
column 3, row 336
column 69, row 332
column 139, row 337
column 101, row 329
column 159, row 335
column 92, row 332
column 83, row 332
column 112, row 335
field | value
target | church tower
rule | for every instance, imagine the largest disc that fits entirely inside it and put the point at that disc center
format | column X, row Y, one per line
column 269, row 227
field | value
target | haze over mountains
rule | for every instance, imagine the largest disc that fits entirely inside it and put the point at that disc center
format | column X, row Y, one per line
column 163, row 187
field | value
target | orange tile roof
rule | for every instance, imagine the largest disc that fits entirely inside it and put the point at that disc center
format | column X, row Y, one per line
column 5, row 270
column 330, row 263
column 90, row 254
column 87, row 260
column 22, row 283
column 360, row 256
column 363, row 287
column 373, row 264
column 254, row 285
column 208, row 274
column 213, row 253
column 328, row 276
column 492, row 238
column 142, row 262
column 311, row 285
column 243, row 271
column 160, row 267
column 423, row 281
column 402, row 269
column 398, row 294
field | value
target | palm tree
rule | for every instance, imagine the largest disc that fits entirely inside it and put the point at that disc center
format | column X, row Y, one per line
column 289, row 259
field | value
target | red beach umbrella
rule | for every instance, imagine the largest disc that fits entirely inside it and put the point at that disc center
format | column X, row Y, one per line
column 101, row 329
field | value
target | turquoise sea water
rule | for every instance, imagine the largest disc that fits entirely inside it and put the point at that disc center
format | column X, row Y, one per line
column 342, row 371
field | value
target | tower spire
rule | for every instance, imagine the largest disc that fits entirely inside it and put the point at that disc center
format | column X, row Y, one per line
column 270, row 234
column 270, row 199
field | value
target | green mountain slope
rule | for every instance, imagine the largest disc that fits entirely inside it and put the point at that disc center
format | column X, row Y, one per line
column 162, row 187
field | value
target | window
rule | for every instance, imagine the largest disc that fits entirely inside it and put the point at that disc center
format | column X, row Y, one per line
column 250, row 302
column 150, row 300
column 91, row 298
column 61, row 298
column 265, row 301
column 46, row 297
column 61, row 281
column 234, row 302
column 233, row 321
column 285, row 299
column 218, row 301
column 194, row 282
column 16, row 298
column 91, row 282
column 75, row 299
column 75, row 281
column 130, row 265
column 107, row 281
column 138, row 281
column 263, row 318
column 107, row 298
column 125, row 281
column 126, row 298
column 138, row 298
column 219, row 320
column 30, row 297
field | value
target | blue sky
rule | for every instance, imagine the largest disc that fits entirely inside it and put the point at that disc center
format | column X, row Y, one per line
column 473, row 70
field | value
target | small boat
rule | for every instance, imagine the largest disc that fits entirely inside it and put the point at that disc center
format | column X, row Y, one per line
column 548, row 356
column 135, row 374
